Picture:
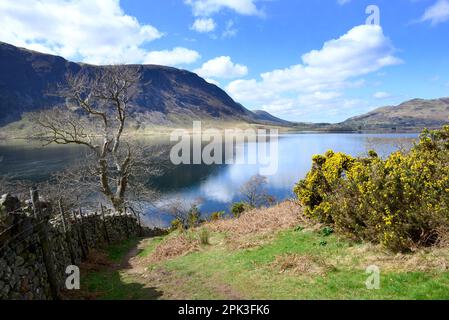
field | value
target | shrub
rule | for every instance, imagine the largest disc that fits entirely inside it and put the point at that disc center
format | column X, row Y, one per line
column 238, row 208
column 401, row 201
column 176, row 224
column 327, row 231
column 193, row 217
column 215, row 216
column 204, row 236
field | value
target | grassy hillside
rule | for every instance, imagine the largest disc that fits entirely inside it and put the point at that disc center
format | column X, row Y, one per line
column 273, row 253
column 411, row 115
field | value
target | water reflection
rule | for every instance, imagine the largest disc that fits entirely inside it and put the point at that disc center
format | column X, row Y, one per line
column 215, row 187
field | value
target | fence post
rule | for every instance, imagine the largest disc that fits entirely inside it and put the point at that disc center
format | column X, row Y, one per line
column 140, row 225
column 42, row 225
column 126, row 224
column 104, row 224
column 66, row 234
column 137, row 215
column 80, row 240
column 83, row 232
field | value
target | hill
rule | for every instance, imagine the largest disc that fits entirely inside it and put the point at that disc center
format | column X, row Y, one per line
column 265, row 116
column 411, row 115
column 168, row 96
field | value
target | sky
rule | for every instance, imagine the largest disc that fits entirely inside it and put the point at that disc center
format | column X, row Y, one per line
column 310, row 61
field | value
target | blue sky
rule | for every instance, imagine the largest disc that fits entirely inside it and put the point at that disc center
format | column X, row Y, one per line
column 300, row 60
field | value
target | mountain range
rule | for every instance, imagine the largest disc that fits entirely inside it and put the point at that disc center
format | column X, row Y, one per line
column 170, row 97
column 167, row 96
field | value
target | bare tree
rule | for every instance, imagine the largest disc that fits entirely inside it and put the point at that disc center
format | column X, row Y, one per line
column 255, row 192
column 185, row 212
column 95, row 116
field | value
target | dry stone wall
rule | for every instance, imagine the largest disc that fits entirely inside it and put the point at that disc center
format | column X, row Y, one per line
column 34, row 249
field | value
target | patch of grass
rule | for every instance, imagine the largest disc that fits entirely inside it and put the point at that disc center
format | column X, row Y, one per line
column 284, row 263
column 117, row 252
column 107, row 282
column 250, row 274
column 114, row 285
column 151, row 245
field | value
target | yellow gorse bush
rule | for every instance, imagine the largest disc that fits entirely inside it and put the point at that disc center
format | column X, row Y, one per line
column 401, row 201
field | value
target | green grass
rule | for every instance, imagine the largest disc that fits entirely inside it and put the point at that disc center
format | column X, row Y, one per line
column 117, row 252
column 218, row 272
column 111, row 283
column 250, row 273
column 151, row 246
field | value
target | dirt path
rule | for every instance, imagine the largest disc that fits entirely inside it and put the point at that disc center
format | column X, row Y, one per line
column 169, row 284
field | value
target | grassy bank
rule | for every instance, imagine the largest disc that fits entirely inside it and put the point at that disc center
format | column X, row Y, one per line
column 25, row 128
column 285, row 257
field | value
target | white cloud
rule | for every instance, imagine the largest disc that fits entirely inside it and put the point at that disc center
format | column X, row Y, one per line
column 204, row 25
column 317, row 84
column 230, row 31
column 177, row 56
column 222, row 67
column 437, row 13
column 93, row 31
column 207, row 8
column 381, row 95
column 343, row 2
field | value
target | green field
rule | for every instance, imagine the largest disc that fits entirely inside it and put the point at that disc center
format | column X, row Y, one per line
column 293, row 264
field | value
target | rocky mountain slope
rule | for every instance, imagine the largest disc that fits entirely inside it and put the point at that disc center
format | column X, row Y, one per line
column 169, row 96
column 410, row 115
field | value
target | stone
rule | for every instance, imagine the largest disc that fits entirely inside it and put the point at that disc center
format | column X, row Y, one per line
column 9, row 203
column 5, row 291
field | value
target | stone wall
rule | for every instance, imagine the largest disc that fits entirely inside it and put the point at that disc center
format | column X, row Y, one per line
column 25, row 238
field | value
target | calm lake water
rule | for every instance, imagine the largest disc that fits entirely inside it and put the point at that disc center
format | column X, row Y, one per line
column 214, row 187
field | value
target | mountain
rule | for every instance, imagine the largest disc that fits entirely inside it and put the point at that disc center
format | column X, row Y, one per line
column 262, row 115
column 168, row 96
column 411, row 115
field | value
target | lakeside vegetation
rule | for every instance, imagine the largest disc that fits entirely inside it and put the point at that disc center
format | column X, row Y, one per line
column 401, row 202
column 269, row 253
column 351, row 213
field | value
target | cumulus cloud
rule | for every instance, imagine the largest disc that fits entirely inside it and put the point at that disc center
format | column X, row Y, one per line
column 207, row 8
column 92, row 31
column 437, row 13
column 317, row 84
column 223, row 68
column 204, row 25
column 177, row 56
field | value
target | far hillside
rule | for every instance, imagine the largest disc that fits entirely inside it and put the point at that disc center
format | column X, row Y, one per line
column 413, row 115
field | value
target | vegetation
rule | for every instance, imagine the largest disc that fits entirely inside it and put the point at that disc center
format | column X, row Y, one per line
column 185, row 215
column 96, row 116
column 215, row 216
column 287, row 256
column 204, row 236
column 254, row 192
column 401, row 202
column 238, row 208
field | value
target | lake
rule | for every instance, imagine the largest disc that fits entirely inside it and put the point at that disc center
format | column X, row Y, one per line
column 214, row 187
